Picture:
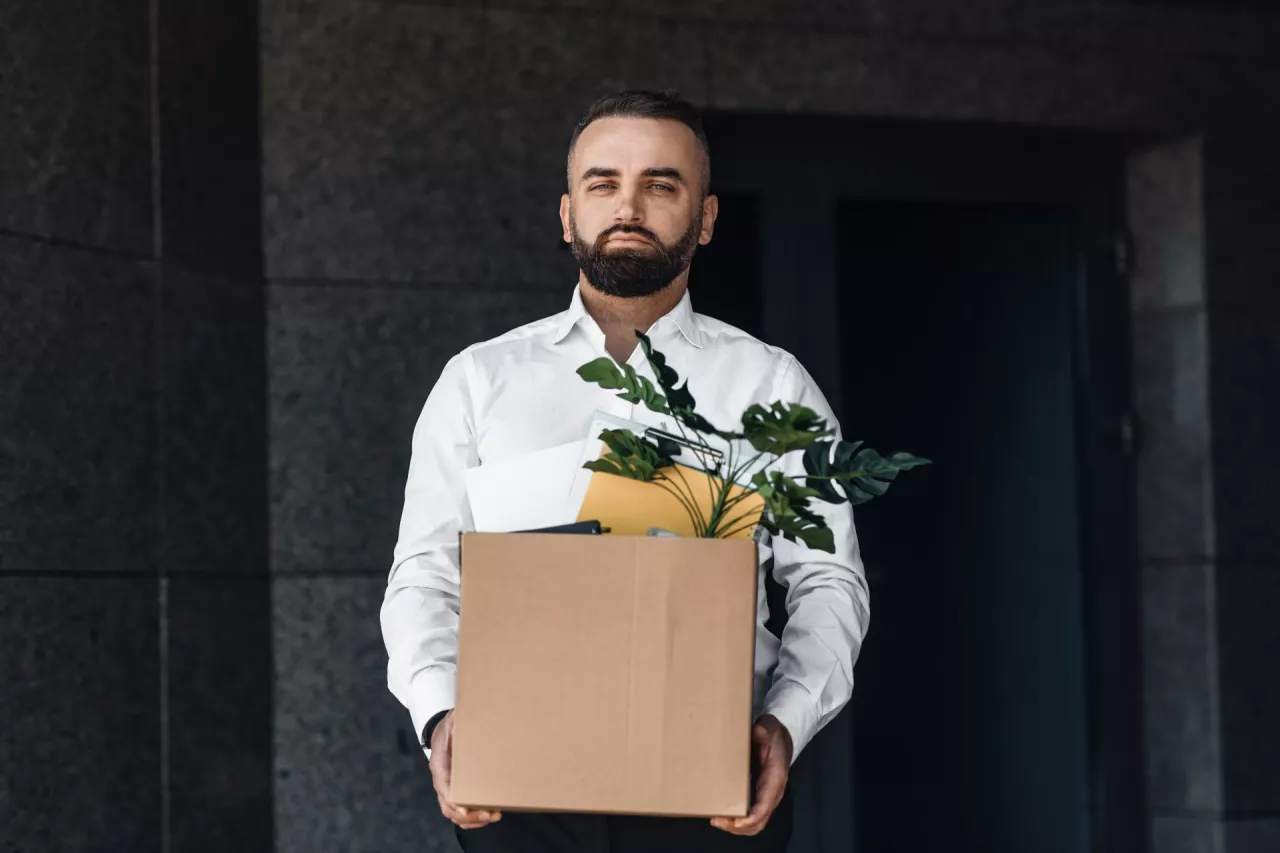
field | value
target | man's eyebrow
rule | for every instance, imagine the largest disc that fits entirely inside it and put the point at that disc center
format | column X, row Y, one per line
column 659, row 172
column 665, row 172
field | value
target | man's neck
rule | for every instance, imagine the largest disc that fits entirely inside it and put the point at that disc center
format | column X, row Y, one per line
column 619, row 317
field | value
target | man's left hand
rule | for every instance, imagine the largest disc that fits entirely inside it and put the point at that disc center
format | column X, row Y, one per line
column 771, row 754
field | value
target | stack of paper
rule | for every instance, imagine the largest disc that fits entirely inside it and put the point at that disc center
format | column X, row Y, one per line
column 524, row 492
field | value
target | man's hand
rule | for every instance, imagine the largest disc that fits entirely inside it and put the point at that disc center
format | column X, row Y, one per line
column 771, row 756
column 441, row 768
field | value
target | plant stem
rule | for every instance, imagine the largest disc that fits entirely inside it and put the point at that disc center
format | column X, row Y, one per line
column 717, row 509
column 717, row 496
column 699, row 521
column 701, row 524
column 696, row 517
column 736, row 521
column 747, row 491
column 736, row 530
column 740, row 471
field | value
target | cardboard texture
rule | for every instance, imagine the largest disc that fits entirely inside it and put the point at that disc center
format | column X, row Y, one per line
column 605, row 674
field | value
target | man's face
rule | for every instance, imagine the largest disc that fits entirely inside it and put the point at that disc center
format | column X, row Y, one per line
column 635, row 212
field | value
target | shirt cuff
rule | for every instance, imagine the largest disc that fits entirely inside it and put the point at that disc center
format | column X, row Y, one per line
column 430, row 728
column 432, row 691
column 794, row 708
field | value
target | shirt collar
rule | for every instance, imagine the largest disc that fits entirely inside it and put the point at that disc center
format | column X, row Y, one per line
column 681, row 316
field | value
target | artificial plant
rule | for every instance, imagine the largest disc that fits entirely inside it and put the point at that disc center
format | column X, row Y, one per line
column 835, row 471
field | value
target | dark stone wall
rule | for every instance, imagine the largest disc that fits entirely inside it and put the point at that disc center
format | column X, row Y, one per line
column 134, row 595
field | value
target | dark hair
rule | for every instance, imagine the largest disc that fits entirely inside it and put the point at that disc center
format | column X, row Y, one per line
column 643, row 103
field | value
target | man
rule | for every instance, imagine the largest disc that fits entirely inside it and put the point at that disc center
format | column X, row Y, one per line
column 637, row 207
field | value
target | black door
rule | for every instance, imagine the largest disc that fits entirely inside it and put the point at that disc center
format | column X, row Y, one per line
column 970, row 718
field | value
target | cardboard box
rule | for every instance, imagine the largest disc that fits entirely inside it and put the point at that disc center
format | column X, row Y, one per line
column 605, row 674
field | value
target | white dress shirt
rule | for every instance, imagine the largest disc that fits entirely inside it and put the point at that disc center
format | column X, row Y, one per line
column 519, row 393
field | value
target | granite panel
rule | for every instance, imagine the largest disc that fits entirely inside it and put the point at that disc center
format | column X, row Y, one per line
column 1248, row 600
column 792, row 13
column 1186, row 834
column 374, row 129
column 546, row 71
column 1259, row 835
column 75, row 154
column 1180, row 674
column 1198, row 28
column 350, row 777
column 220, row 714
column 1242, row 213
column 77, row 411
column 350, row 368
column 1175, row 463
column 79, row 715
column 1145, row 28
column 214, row 423
column 1166, row 215
column 855, row 74
column 1245, row 362
column 208, row 107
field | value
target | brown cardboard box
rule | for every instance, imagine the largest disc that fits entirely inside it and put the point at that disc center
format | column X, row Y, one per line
column 605, row 674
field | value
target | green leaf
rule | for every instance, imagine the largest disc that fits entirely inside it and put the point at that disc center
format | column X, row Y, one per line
column 782, row 427
column 667, row 448
column 818, row 538
column 858, row 472
column 905, row 461
column 801, row 530
column 634, row 388
column 641, row 390
column 603, row 372
column 789, row 514
column 631, row 456
column 679, row 400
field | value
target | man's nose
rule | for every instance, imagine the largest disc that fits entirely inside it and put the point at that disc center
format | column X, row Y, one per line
column 629, row 210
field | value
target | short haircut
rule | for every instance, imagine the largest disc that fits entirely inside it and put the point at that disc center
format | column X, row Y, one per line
column 643, row 103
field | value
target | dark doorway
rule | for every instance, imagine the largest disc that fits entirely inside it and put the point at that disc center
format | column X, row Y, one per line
column 955, row 292
column 971, row 714
column 725, row 275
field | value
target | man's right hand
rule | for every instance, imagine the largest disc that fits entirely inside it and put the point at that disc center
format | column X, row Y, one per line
column 441, row 768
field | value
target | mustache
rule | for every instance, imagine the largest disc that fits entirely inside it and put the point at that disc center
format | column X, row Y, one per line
column 638, row 230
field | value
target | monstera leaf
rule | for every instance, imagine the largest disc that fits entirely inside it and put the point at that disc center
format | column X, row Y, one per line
column 633, row 457
column 835, row 471
column 634, row 388
column 782, row 427
column 679, row 400
column 859, row 473
column 789, row 514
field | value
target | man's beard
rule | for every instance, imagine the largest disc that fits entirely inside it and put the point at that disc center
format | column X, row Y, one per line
column 633, row 272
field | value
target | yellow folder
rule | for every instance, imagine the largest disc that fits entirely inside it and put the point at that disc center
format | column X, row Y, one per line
column 630, row 507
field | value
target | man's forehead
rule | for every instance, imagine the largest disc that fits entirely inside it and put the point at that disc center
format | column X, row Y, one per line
column 635, row 144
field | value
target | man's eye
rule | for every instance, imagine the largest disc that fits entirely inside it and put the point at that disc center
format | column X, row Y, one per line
column 666, row 188
column 595, row 187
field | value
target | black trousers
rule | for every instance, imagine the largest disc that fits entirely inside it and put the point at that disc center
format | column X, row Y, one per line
column 527, row 832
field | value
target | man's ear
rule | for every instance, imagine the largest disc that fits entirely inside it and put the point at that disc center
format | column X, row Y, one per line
column 710, row 210
column 567, row 232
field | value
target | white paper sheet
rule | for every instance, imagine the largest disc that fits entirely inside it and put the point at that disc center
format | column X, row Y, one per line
column 523, row 492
